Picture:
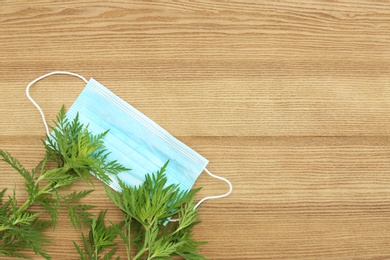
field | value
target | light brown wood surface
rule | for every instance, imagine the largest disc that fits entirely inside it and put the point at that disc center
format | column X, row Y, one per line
column 290, row 100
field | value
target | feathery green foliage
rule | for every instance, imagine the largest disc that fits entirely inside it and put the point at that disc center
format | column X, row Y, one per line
column 146, row 228
column 75, row 153
column 100, row 238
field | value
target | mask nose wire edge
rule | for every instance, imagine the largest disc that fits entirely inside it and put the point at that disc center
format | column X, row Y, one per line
column 42, row 77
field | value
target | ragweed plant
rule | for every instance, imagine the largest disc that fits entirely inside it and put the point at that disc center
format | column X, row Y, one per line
column 100, row 241
column 146, row 228
column 71, row 153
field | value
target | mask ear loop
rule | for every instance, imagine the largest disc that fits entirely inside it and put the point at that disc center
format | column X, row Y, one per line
column 216, row 196
column 42, row 77
column 211, row 197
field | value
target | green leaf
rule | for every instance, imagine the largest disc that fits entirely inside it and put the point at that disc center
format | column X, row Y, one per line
column 7, row 157
column 78, row 213
column 29, row 180
column 25, row 235
column 52, row 207
column 100, row 241
column 79, row 251
column 147, row 209
column 72, row 145
column 1, row 196
column 76, row 153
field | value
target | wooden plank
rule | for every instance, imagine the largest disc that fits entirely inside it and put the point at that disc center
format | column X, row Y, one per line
column 285, row 68
column 287, row 99
column 294, row 197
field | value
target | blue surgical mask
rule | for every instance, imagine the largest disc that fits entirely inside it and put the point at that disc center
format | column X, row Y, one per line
column 133, row 139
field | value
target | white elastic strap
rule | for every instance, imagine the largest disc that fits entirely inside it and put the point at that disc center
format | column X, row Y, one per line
column 216, row 196
column 212, row 197
column 42, row 77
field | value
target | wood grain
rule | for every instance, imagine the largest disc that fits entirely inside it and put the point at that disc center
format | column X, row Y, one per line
column 287, row 99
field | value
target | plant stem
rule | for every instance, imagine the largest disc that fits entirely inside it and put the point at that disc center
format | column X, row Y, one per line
column 2, row 228
column 128, row 235
column 32, row 200
column 146, row 242
column 140, row 253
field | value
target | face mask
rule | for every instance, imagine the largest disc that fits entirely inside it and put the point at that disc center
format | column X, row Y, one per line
column 133, row 139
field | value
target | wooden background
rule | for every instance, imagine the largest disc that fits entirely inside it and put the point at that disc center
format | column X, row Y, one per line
column 290, row 100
